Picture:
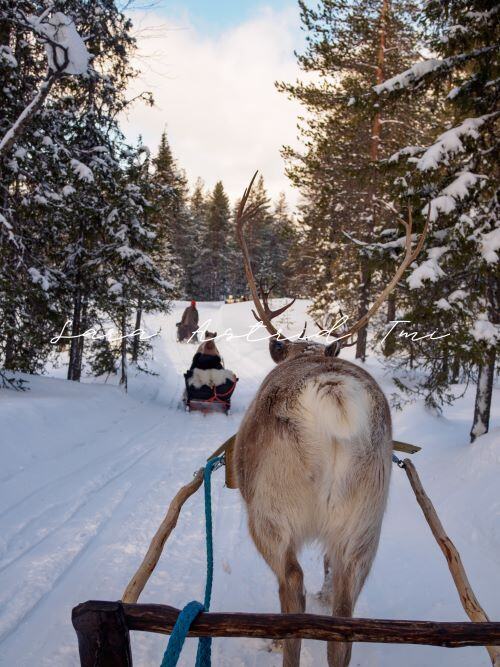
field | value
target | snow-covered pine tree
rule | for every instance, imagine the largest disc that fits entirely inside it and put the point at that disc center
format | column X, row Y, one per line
column 350, row 47
column 172, row 216
column 134, row 284
column 198, row 213
column 38, row 47
column 214, row 255
column 283, row 239
column 456, row 287
column 270, row 238
column 63, row 180
column 93, row 175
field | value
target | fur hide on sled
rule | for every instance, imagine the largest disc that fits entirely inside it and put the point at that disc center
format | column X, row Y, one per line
column 212, row 377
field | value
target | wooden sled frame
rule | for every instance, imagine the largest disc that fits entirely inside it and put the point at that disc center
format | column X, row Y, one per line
column 216, row 403
column 103, row 628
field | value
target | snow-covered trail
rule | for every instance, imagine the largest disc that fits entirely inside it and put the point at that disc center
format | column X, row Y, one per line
column 87, row 473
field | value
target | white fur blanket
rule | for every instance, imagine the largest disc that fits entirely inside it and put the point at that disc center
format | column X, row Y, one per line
column 212, row 377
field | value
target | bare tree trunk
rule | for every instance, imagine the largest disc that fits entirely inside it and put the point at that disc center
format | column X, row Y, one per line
column 77, row 372
column 391, row 307
column 9, row 352
column 484, row 393
column 389, row 344
column 75, row 332
column 123, row 378
column 136, row 341
column 363, row 302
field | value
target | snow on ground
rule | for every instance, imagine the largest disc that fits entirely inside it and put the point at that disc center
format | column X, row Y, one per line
column 87, row 473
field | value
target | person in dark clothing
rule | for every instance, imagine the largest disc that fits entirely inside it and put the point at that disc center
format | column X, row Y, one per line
column 207, row 356
column 188, row 324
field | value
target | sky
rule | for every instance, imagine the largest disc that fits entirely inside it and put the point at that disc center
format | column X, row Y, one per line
column 211, row 66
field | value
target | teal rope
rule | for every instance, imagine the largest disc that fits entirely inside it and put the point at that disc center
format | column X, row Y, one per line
column 192, row 609
column 179, row 633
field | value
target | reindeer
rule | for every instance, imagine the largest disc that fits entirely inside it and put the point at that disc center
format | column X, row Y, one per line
column 313, row 457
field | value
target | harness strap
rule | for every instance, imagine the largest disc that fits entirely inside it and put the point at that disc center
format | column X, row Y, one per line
column 192, row 609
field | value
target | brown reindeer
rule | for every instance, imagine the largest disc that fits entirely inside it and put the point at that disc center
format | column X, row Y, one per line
column 313, row 458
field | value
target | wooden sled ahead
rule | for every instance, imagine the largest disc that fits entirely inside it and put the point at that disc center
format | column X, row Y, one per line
column 209, row 399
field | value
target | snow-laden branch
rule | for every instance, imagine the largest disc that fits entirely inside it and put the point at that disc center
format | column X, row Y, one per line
column 388, row 245
column 415, row 74
column 446, row 145
column 66, row 50
column 66, row 54
column 27, row 113
column 428, row 269
column 451, row 142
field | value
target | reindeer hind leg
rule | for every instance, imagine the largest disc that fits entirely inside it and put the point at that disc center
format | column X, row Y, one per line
column 282, row 559
column 350, row 567
column 293, row 600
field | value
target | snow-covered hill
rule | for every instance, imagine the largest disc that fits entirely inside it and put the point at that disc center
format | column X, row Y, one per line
column 87, row 472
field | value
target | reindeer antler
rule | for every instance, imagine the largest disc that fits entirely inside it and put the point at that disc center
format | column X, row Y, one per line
column 271, row 314
column 264, row 313
column 409, row 258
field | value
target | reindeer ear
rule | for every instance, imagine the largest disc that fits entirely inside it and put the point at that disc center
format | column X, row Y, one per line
column 333, row 350
column 278, row 349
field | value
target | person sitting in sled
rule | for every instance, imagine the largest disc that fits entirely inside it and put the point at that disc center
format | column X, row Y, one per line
column 207, row 356
column 207, row 373
column 188, row 324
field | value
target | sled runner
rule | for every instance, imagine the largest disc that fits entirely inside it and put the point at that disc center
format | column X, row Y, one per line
column 208, row 398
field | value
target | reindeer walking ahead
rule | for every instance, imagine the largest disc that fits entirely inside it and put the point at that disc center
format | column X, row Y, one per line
column 313, row 458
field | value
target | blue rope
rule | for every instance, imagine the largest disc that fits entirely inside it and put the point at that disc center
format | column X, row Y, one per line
column 192, row 609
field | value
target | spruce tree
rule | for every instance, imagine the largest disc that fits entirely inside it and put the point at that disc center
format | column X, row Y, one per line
column 214, row 255
column 31, row 167
column 282, row 242
column 133, row 281
column 172, row 215
column 270, row 238
column 454, row 179
column 198, row 215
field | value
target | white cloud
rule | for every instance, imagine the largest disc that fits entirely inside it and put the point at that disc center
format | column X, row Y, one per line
column 216, row 97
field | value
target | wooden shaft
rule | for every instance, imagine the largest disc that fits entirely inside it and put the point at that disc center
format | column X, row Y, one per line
column 405, row 447
column 140, row 578
column 103, row 635
column 468, row 599
column 397, row 445
column 161, row 619
column 227, row 448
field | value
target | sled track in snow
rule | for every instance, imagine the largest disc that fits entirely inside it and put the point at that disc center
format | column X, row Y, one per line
column 60, row 577
column 81, row 502
column 77, row 471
